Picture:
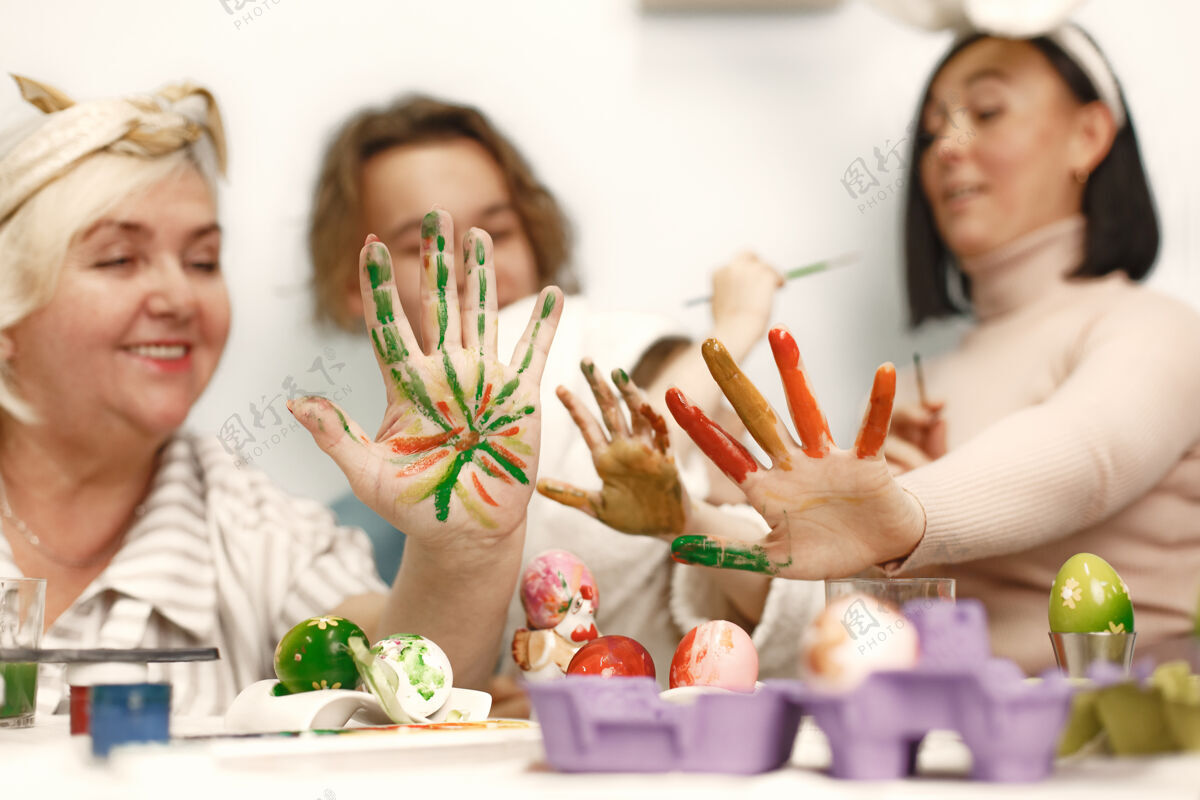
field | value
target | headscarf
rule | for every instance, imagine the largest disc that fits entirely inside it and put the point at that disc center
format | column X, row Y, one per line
column 147, row 125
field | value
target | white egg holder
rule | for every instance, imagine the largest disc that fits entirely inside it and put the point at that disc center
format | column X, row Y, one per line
column 259, row 710
column 687, row 695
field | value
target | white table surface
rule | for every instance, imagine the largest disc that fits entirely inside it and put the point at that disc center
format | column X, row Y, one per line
column 46, row 762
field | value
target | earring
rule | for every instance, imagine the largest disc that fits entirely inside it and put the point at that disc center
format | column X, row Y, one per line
column 1081, row 176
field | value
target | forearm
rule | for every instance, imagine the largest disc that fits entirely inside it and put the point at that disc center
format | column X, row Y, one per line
column 460, row 606
column 745, row 591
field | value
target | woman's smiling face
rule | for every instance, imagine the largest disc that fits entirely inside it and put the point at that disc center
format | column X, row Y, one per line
column 138, row 319
column 1007, row 141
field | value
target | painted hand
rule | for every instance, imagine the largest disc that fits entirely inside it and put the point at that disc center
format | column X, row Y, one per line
column 456, row 455
column 832, row 512
column 742, row 296
column 641, row 491
column 917, row 437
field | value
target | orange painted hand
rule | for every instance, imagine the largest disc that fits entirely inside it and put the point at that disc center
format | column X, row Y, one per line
column 832, row 512
column 641, row 492
column 456, row 455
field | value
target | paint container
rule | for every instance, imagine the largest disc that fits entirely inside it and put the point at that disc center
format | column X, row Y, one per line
column 125, row 713
column 81, row 677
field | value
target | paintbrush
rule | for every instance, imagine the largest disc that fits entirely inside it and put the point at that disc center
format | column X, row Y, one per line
column 921, row 396
column 107, row 656
column 799, row 272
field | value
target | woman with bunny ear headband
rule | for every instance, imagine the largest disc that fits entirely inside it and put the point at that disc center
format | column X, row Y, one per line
column 1063, row 422
column 113, row 317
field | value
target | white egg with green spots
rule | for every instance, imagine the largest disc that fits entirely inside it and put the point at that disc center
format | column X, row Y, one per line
column 1089, row 597
column 409, row 674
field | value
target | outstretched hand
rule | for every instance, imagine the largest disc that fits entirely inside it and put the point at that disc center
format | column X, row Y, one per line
column 832, row 512
column 641, row 492
column 456, row 456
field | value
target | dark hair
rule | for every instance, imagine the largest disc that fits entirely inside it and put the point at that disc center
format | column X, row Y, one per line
column 1122, row 226
column 333, row 229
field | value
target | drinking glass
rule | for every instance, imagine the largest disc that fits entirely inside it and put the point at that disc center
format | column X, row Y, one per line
column 22, row 609
column 896, row 591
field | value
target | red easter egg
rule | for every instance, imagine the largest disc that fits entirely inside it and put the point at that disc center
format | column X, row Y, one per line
column 612, row 656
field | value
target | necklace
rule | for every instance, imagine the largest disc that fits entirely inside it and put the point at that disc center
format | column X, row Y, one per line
column 35, row 541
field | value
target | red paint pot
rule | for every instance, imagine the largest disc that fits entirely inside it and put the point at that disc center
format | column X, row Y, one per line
column 81, row 677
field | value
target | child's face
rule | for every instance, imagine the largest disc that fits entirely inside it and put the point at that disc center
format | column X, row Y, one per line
column 401, row 184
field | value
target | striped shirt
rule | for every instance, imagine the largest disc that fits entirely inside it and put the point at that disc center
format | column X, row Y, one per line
column 218, row 557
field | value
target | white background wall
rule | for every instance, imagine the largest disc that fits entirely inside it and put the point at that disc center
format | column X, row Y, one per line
column 674, row 141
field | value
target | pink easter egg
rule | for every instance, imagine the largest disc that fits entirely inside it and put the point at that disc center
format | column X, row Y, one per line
column 716, row 653
column 549, row 584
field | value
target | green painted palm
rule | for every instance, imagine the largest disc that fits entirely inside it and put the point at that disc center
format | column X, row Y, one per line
column 457, row 450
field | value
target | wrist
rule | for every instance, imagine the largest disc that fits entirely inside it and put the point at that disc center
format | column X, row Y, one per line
column 911, row 533
column 466, row 556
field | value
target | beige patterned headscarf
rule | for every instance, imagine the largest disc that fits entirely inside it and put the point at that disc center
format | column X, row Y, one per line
column 146, row 125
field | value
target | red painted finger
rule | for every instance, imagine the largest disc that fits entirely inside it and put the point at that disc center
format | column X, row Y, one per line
column 874, row 430
column 811, row 424
column 723, row 449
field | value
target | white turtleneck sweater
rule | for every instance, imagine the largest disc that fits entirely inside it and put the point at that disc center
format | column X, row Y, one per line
column 1073, row 424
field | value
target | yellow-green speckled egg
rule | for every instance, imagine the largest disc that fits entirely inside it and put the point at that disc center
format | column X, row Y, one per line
column 1089, row 597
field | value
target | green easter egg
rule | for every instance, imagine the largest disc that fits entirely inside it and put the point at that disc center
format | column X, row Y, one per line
column 1089, row 597
column 314, row 655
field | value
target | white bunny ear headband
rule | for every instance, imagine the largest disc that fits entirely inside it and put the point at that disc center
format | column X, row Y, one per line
column 1017, row 19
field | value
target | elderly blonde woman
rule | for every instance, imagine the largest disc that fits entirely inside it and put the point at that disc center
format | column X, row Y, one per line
column 113, row 317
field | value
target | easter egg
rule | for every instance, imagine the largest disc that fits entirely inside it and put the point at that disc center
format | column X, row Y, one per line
column 549, row 586
column 314, row 655
column 611, row 657
column 417, row 672
column 716, row 653
column 854, row 636
column 1089, row 597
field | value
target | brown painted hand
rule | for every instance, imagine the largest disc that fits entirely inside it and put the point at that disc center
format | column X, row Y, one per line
column 641, row 492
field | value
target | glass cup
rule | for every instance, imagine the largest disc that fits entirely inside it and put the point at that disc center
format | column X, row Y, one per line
column 896, row 591
column 22, row 609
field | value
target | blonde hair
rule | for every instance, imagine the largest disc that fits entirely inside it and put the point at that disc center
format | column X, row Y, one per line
column 34, row 240
column 334, row 226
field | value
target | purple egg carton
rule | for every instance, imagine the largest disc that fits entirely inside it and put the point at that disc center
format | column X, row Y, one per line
column 1010, row 725
column 592, row 724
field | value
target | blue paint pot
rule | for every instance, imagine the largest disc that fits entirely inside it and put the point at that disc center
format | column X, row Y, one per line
column 136, row 712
